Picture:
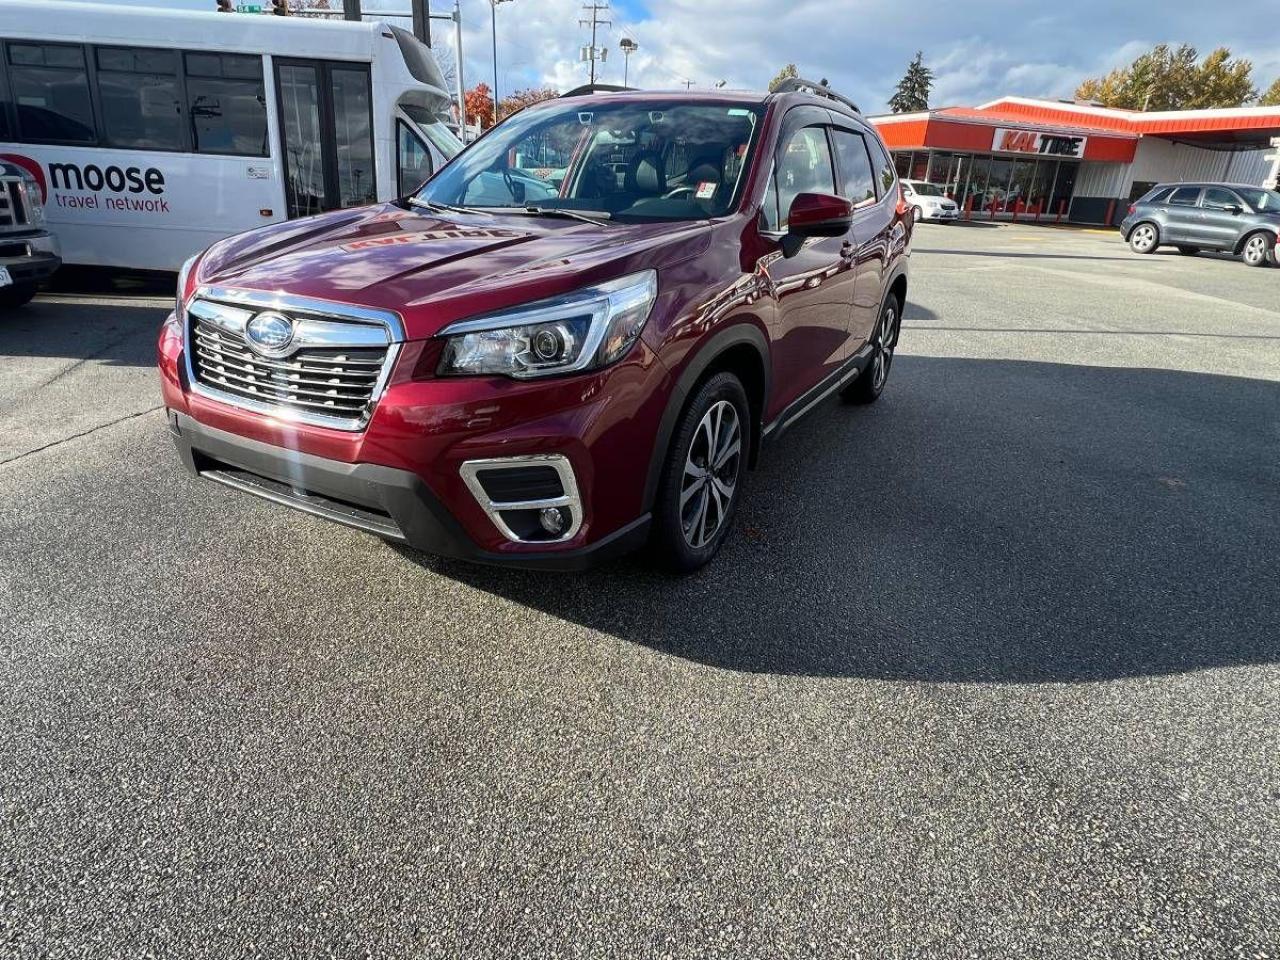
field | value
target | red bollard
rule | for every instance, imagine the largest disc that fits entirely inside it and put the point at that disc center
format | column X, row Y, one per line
column 1111, row 213
column 1062, row 208
column 968, row 207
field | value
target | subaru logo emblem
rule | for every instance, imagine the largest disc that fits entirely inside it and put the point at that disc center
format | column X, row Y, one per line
column 269, row 334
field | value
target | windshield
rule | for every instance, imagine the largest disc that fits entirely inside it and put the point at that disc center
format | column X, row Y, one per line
column 1262, row 201
column 928, row 189
column 626, row 159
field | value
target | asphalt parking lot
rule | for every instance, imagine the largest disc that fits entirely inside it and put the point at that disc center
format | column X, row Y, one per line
column 989, row 669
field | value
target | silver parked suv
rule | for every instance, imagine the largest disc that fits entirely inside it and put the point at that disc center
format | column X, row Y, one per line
column 1234, row 217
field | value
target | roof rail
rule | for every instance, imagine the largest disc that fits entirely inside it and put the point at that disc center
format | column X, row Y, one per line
column 801, row 85
column 589, row 88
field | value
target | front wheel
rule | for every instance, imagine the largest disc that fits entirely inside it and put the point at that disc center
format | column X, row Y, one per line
column 702, row 477
column 870, row 383
column 916, row 214
column 15, row 295
column 1257, row 250
column 1145, row 238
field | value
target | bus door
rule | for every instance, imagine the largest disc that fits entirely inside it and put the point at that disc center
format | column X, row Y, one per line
column 326, row 129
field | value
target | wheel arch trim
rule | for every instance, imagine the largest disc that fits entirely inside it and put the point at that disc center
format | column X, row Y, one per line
column 741, row 333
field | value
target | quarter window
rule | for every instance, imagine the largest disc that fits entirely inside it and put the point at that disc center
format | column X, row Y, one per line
column 1185, row 196
column 141, row 106
column 227, row 103
column 51, row 93
column 858, row 183
column 413, row 160
column 883, row 165
column 804, row 166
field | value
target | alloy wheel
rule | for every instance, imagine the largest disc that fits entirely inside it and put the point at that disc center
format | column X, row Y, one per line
column 1255, row 251
column 886, row 339
column 1144, row 238
column 710, row 474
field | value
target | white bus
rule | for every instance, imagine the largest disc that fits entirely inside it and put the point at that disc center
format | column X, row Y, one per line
column 154, row 132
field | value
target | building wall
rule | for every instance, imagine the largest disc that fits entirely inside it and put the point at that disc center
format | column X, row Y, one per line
column 1164, row 161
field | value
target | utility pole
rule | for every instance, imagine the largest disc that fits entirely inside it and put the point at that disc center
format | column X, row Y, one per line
column 493, row 13
column 595, row 7
column 457, row 71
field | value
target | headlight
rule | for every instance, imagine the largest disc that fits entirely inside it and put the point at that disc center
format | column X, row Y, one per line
column 184, row 274
column 35, row 203
column 581, row 331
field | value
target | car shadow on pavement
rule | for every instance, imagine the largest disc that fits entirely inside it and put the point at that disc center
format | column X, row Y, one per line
column 986, row 521
column 115, row 332
column 1020, row 255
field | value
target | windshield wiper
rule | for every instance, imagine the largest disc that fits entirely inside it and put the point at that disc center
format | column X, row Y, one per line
column 438, row 206
column 598, row 217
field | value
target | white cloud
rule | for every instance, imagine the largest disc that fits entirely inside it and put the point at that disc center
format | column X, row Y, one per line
column 980, row 49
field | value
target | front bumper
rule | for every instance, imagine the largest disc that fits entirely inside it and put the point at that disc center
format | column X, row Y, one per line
column 30, row 258
column 393, row 504
column 937, row 213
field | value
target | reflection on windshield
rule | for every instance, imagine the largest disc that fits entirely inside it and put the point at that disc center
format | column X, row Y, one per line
column 633, row 159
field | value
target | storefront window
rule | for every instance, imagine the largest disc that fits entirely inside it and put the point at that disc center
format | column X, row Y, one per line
column 997, row 185
column 919, row 166
column 1041, row 188
column 902, row 163
column 1063, row 188
column 973, row 186
column 1021, row 184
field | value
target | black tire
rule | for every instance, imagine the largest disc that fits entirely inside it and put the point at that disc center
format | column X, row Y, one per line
column 15, row 295
column 884, row 340
column 1188, row 251
column 684, row 500
column 1144, row 238
column 916, row 214
column 1258, row 249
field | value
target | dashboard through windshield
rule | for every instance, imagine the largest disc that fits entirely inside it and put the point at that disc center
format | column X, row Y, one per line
column 629, row 160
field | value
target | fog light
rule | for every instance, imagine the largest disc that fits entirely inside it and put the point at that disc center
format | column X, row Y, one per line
column 552, row 520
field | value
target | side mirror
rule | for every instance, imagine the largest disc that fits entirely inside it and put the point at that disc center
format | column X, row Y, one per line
column 816, row 215
column 1234, row 209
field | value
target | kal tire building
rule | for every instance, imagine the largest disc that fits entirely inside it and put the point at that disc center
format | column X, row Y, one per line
column 1024, row 158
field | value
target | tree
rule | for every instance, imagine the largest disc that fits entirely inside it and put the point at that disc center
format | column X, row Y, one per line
column 524, row 98
column 1169, row 79
column 1272, row 97
column 789, row 72
column 479, row 106
column 912, row 93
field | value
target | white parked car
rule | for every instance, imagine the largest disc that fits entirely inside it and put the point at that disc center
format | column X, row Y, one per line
column 928, row 202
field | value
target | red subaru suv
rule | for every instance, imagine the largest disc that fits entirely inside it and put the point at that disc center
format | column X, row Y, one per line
column 572, row 340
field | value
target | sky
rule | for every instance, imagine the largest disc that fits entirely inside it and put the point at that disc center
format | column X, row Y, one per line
column 979, row 49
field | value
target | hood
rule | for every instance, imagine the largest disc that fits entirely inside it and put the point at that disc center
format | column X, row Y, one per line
column 435, row 269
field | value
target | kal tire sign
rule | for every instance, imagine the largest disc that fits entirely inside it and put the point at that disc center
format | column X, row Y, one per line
column 1043, row 144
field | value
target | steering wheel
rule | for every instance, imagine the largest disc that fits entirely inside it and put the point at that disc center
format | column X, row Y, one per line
column 517, row 190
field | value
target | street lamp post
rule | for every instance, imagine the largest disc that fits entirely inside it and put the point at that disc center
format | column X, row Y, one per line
column 629, row 47
column 493, row 14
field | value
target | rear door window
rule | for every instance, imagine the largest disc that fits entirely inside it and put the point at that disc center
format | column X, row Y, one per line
column 1215, row 198
column 1185, row 196
column 857, row 181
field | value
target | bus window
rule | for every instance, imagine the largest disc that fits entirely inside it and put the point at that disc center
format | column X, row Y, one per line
column 227, row 102
column 353, row 131
column 299, row 87
column 413, row 159
column 51, row 92
column 138, row 90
